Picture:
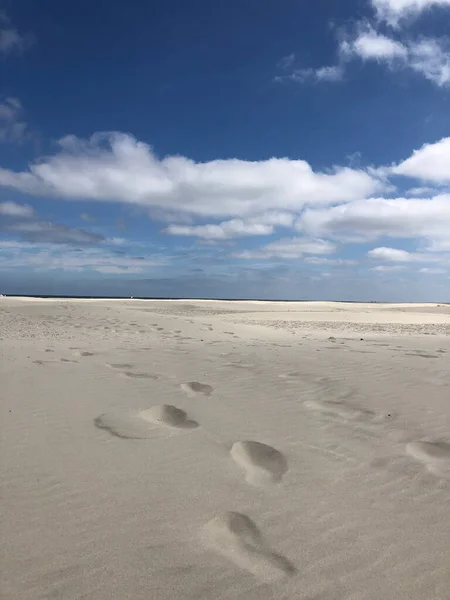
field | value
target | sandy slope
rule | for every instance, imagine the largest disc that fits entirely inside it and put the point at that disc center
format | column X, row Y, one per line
column 126, row 470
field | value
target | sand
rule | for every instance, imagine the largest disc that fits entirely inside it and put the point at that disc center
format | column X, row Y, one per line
column 213, row 450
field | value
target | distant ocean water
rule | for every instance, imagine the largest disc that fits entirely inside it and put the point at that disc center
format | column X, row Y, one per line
column 181, row 298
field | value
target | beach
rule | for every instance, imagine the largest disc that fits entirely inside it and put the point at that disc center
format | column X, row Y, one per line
column 197, row 449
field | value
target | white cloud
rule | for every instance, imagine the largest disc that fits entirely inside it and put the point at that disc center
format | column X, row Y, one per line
column 439, row 245
column 117, row 167
column 11, row 41
column 427, row 56
column 289, row 248
column 388, row 268
column 430, row 271
column 118, row 270
column 365, row 220
column 431, row 58
column 429, row 163
column 39, row 257
column 402, row 256
column 12, row 128
column 390, row 254
column 259, row 225
column 421, row 191
column 322, row 74
column 331, row 74
column 275, row 218
column 339, row 262
column 12, row 209
column 370, row 45
column 222, row 231
column 393, row 11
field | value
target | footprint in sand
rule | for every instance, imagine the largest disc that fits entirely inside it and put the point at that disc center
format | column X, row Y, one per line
column 261, row 463
column 344, row 411
column 239, row 365
column 84, row 353
column 192, row 388
column 132, row 375
column 293, row 375
column 421, row 355
column 236, row 537
column 434, row 455
column 138, row 425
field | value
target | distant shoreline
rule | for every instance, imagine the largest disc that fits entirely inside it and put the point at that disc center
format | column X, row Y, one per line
column 178, row 299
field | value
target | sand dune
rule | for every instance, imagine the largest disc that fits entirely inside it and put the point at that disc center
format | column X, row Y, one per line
column 224, row 450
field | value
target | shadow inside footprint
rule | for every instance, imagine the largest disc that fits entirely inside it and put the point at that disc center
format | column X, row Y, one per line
column 262, row 463
column 236, row 537
column 139, row 375
column 195, row 387
column 340, row 410
column 138, row 424
column 434, row 455
column 168, row 415
column 292, row 375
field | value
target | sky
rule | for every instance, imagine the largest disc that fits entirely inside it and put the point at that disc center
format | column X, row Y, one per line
column 243, row 149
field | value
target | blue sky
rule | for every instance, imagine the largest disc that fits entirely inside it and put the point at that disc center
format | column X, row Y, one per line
column 265, row 149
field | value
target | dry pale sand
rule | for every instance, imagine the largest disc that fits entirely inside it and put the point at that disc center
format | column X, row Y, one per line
column 208, row 450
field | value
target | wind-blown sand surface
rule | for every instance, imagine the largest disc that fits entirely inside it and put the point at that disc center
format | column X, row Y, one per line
column 208, row 450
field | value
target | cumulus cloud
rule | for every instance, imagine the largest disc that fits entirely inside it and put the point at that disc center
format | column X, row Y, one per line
column 402, row 256
column 390, row 254
column 394, row 11
column 429, row 163
column 365, row 220
column 370, row 45
column 289, row 248
column 222, row 231
column 263, row 224
column 117, row 167
column 427, row 56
